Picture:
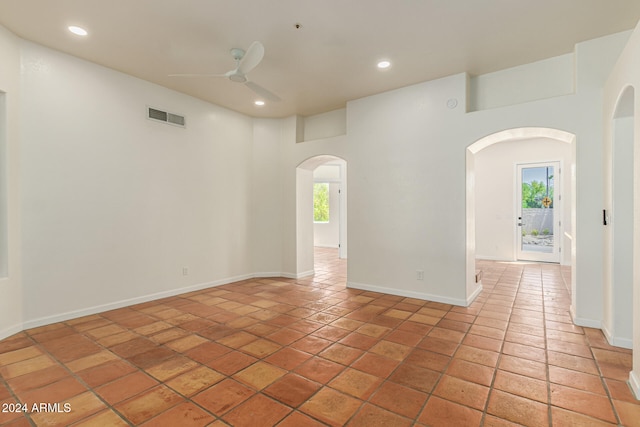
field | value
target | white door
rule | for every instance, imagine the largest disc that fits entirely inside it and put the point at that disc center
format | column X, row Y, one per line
column 538, row 212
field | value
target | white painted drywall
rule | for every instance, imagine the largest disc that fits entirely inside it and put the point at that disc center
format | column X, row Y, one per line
column 113, row 206
column 267, row 198
column 325, row 125
column 304, row 216
column 539, row 80
column 407, row 180
column 116, row 205
column 11, row 287
column 496, row 189
column 625, row 74
column 406, row 191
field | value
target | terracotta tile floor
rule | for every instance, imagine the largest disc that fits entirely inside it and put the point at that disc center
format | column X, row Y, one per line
column 311, row 353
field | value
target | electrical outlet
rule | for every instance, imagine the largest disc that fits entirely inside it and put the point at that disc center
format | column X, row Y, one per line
column 185, row 271
column 419, row 274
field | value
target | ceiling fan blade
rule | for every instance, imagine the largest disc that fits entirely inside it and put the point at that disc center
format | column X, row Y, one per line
column 198, row 75
column 263, row 92
column 251, row 58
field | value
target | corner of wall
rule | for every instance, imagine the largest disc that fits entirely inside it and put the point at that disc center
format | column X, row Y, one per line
column 634, row 383
column 11, row 286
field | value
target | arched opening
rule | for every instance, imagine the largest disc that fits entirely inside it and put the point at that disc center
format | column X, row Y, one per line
column 497, row 211
column 325, row 232
column 618, row 324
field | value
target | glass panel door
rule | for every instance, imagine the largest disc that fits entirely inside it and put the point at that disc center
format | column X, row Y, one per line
column 538, row 219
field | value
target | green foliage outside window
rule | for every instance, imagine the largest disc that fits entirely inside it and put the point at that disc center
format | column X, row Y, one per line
column 533, row 192
column 321, row 202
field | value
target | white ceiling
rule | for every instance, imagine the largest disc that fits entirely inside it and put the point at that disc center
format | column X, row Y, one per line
column 328, row 61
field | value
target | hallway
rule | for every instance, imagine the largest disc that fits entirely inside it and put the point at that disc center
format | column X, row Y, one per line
column 311, row 352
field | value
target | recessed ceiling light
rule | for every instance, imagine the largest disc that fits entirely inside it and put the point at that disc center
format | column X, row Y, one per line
column 259, row 103
column 78, row 30
column 384, row 64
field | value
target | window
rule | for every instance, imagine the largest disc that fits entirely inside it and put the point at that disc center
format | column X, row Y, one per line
column 321, row 202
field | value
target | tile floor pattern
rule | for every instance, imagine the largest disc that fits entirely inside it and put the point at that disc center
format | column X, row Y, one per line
column 311, row 353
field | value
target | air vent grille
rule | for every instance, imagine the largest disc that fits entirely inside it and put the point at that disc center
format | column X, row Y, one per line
column 175, row 119
column 163, row 116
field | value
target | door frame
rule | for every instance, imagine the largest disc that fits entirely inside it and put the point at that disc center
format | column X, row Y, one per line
column 555, row 255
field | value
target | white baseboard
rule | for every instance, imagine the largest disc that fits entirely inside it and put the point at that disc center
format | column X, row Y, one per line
column 588, row 323
column 474, row 295
column 61, row 317
column 623, row 343
column 410, row 294
column 287, row 275
column 616, row 341
column 299, row 275
column 607, row 334
column 493, row 258
column 11, row 330
column 634, row 383
column 268, row 274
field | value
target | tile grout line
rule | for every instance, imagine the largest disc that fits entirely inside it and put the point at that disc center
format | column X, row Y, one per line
column 546, row 348
column 516, row 300
column 500, row 352
column 5, row 383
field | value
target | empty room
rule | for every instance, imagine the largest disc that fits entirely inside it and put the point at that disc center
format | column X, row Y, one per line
column 319, row 213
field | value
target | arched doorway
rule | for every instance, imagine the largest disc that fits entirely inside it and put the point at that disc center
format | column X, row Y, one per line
column 329, row 232
column 514, row 136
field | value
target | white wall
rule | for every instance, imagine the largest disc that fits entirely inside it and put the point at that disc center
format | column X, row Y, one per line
column 267, row 199
column 625, row 74
column 115, row 205
column 495, row 194
column 408, row 183
column 406, row 191
column 111, row 206
column 539, row 80
column 325, row 125
column 11, row 291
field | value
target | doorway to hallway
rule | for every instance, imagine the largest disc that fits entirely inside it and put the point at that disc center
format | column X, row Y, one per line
column 328, row 266
column 327, row 227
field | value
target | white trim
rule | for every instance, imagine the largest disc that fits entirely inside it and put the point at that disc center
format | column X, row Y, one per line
column 129, row 302
column 299, row 275
column 61, row 317
column 11, row 330
column 616, row 341
column 474, row 295
column 281, row 274
column 623, row 343
column 327, row 246
column 269, row 274
column 409, row 294
column 494, row 258
column 589, row 323
column 634, row 383
column 607, row 333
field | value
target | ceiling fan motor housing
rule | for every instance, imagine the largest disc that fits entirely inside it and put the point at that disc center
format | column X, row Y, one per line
column 237, row 53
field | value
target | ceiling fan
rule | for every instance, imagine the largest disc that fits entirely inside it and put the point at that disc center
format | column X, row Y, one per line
column 245, row 62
